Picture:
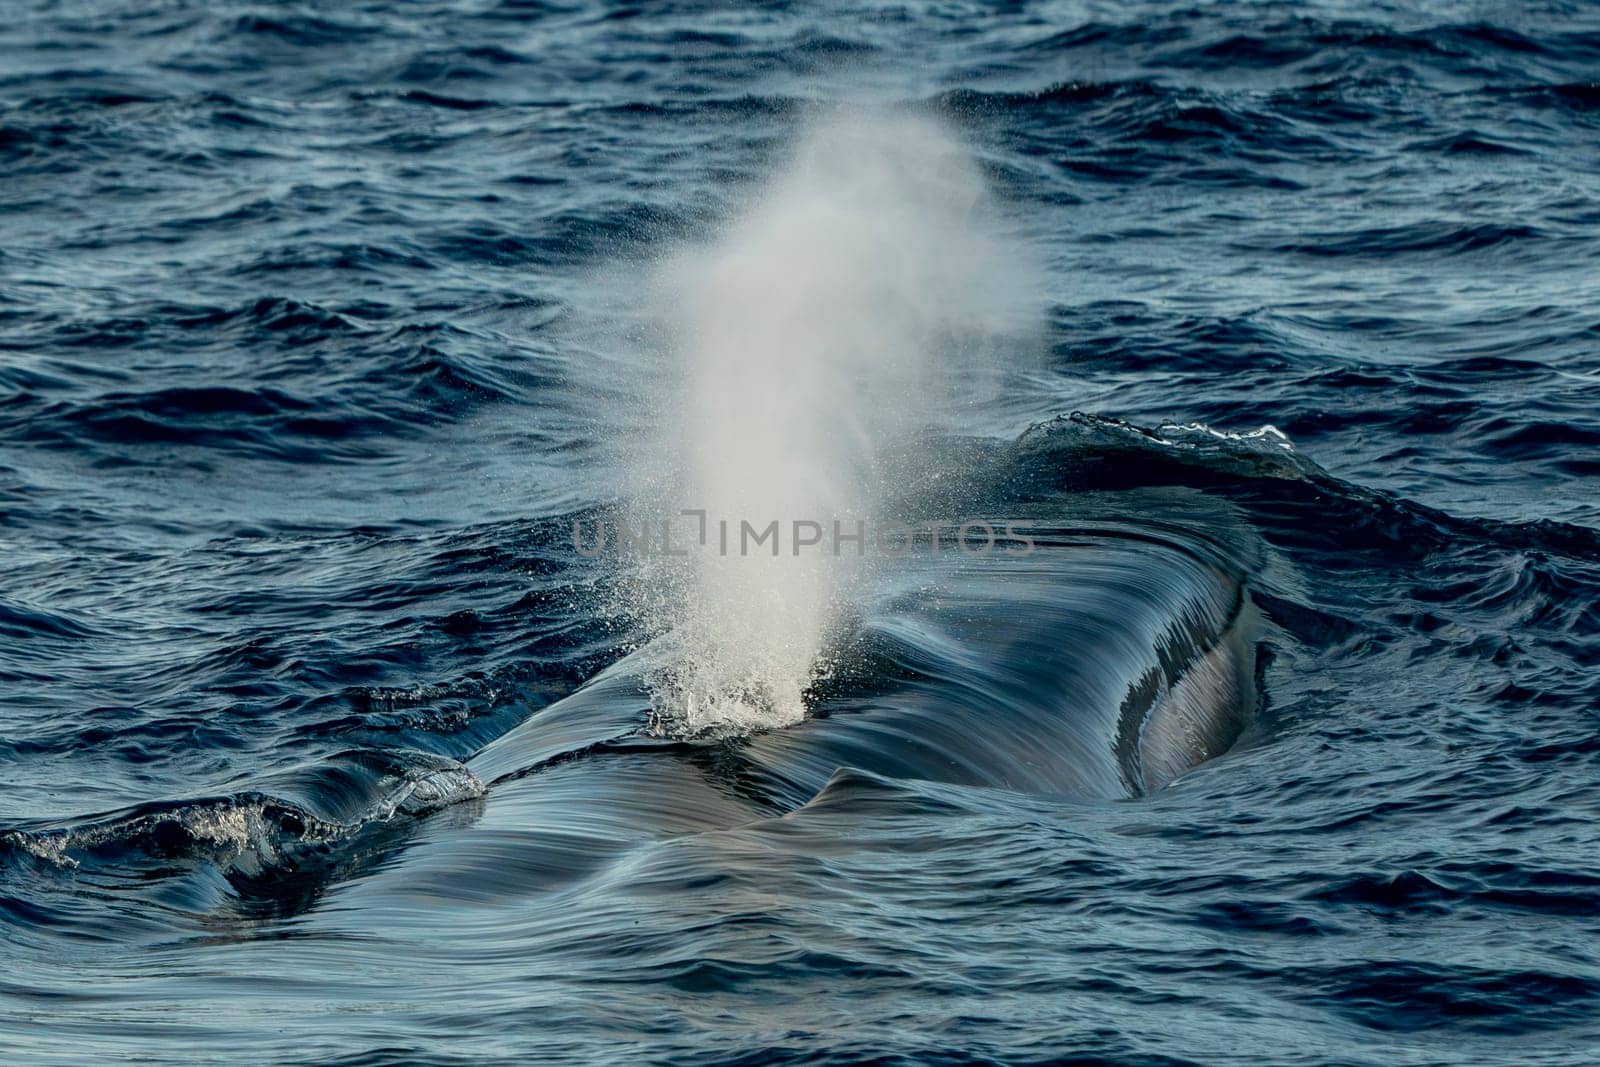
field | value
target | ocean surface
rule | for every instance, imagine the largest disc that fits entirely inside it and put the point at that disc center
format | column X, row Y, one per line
column 300, row 310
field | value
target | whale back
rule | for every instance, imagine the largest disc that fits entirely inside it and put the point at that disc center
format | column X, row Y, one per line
column 1105, row 660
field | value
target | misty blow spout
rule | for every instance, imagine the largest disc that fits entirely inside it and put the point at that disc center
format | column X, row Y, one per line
column 865, row 294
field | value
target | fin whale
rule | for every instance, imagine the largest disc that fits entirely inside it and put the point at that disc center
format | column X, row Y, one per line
column 1105, row 663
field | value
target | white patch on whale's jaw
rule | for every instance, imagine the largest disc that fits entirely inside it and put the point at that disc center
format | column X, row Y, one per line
column 1175, row 722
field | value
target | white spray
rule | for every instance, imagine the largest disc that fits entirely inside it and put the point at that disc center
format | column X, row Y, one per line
column 866, row 294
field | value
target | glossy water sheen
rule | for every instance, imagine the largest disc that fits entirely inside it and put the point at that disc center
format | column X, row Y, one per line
column 291, row 298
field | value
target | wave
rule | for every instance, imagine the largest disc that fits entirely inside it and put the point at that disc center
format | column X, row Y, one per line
column 293, row 816
column 1578, row 96
column 1091, row 451
column 1452, row 238
column 358, row 386
column 1180, row 41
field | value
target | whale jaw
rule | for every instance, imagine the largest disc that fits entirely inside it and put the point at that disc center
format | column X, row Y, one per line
column 1178, row 717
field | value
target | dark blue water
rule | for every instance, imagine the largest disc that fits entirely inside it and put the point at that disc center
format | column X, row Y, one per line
column 293, row 301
